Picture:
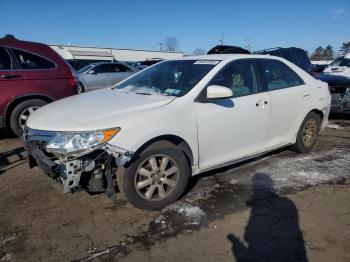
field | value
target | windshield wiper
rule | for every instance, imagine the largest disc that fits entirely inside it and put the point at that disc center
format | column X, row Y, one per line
column 141, row 93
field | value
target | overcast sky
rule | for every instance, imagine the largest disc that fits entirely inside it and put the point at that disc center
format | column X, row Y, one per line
column 143, row 24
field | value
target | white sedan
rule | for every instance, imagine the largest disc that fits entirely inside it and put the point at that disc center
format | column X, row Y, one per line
column 176, row 119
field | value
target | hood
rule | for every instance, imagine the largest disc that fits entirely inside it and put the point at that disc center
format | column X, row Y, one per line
column 93, row 110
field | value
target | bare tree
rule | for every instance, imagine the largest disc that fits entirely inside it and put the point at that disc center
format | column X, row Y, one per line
column 171, row 44
column 199, row 51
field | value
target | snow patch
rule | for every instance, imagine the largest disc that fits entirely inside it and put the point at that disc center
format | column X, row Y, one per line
column 334, row 126
column 313, row 169
column 192, row 213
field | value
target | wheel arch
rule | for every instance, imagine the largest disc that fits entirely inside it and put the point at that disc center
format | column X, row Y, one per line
column 302, row 118
column 16, row 101
column 174, row 139
column 318, row 112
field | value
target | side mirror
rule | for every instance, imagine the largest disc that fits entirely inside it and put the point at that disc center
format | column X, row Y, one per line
column 215, row 92
column 92, row 72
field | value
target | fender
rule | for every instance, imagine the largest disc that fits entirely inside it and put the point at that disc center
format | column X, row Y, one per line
column 24, row 97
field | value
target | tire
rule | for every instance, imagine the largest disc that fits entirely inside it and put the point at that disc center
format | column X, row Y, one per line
column 22, row 110
column 80, row 88
column 129, row 178
column 304, row 143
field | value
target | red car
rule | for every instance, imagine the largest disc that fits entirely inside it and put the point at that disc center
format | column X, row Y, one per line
column 31, row 75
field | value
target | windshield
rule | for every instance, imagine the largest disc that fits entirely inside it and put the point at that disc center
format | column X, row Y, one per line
column 85, row 68
column 342, row 61
column 174, row 78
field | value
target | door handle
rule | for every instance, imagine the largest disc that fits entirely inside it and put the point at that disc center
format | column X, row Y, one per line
column 259, row 103
column 10, row 76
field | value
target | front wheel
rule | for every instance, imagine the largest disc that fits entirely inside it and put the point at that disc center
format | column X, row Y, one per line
column 308, row 133
column 156, row 178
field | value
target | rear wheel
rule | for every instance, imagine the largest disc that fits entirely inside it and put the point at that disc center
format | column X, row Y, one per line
column 156, row 178
column 308, row 133
column 21, row 113
column 80, row 88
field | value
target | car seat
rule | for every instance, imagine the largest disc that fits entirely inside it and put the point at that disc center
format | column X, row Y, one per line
column 274, row 79
column 236, row 82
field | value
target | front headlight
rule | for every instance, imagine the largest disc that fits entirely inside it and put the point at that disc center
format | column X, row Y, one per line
column 74, row 143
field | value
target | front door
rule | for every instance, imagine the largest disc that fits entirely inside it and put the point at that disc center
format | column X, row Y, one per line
column 118, row 73
column 234, row 128
column 97, row 77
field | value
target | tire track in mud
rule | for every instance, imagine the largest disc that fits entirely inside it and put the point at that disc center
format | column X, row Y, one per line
column 213, row 196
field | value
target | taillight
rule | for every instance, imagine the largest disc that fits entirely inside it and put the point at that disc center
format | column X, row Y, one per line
column 72, row 81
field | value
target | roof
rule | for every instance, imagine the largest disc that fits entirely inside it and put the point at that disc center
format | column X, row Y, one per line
column 226, row 57
column 115, row 48
column 90, row 53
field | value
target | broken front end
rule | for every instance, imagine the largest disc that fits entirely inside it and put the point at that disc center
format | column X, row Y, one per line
column 76, row 160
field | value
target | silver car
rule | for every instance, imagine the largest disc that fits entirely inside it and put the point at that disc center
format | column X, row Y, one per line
column 102, row 75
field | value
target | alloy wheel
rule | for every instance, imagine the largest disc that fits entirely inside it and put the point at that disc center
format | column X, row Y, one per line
column 156, row 177
column 309, row 132
column 25, row 115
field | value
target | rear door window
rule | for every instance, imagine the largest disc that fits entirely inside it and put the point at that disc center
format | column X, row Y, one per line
column 119, row 68
column 30, row 61
column 5, row 59
column 278, row 75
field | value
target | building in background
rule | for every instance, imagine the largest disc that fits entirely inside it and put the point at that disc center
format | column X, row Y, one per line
column 84, row 53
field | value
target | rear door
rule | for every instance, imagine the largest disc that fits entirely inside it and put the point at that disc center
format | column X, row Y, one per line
column 12, row 79
column 39, row 71
column 289, row 100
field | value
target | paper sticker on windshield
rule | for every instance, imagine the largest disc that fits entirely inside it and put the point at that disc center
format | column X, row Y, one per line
column 169, row 91
column 206, row 62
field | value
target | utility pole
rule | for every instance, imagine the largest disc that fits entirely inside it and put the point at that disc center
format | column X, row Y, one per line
column 248, row 46
column 221, row 40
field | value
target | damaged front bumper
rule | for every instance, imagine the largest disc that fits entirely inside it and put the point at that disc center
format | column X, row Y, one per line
column 92, row 172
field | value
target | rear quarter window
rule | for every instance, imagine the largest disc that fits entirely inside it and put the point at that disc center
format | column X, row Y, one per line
column 31, row 61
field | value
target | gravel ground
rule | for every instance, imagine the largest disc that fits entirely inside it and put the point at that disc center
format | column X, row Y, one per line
column 281, row 206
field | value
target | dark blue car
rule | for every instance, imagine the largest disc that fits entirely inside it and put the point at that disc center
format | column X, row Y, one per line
column 293, row 54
